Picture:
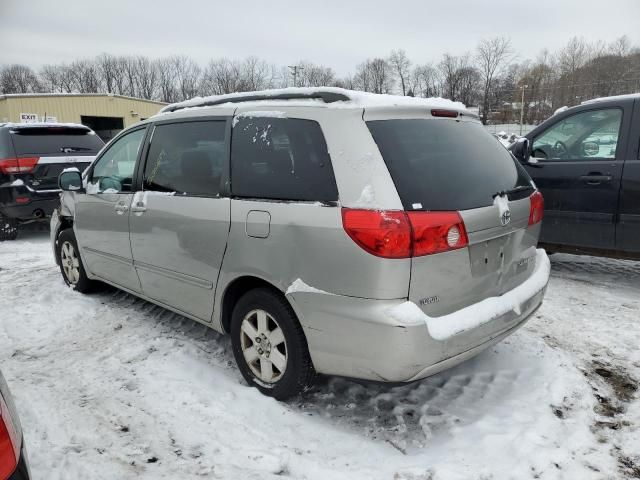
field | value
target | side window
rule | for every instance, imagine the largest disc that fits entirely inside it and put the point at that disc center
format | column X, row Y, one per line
column 591, row 134
column 114, row 171
column 281, row 158
column 186, row 158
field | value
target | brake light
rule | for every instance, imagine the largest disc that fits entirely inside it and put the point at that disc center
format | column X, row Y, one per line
column 397, row 234
column 435, row 232
column 9, row 443
column 441, row 112
column 385, row 234
column 536, row 208
column 18, row 165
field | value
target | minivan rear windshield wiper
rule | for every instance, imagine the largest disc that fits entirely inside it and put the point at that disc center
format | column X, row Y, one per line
column 519, row 188
column 74, row 149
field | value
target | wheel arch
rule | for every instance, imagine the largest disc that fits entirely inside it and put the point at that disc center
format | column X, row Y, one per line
column 235, row 289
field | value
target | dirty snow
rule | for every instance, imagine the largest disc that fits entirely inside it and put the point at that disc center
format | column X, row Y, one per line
column 109, row 386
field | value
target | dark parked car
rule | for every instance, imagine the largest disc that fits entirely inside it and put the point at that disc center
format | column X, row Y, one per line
column 31, row 158
column 13, row 455
column 586, row 162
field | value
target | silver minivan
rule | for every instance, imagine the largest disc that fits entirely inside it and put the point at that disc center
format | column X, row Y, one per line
column 327, row 231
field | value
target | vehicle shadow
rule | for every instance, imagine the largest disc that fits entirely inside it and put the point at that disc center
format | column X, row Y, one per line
column 596, row 270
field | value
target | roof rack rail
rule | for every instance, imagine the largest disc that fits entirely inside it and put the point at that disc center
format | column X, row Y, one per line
column 326, row 97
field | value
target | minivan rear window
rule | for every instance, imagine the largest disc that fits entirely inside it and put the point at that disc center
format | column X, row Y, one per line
column 441, row 164
column 55, row 141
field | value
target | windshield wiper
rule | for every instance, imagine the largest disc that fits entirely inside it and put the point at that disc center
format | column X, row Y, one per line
column 74, row 149
column 519, row 188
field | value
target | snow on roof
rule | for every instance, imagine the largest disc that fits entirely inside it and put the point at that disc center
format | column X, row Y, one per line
column 357, row 99
column 46, row 124
column 615, row 97
column 76, row 94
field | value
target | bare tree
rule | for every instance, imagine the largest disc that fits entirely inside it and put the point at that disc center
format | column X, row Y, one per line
column 166, row 80
column 424, row 81
column 402, row 66
column 187, row 76
column 255, row 74
column 219, row 77
column 50, row 78
column 18, row 78
column 147, row 77
column 570, row 59
column 621, row 46
column 109, row 71
column 375, row 75
column 312, row 75
column 491, row 55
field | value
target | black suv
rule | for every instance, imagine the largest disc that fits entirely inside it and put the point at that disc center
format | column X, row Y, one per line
column 31, row 158
column 586, row 162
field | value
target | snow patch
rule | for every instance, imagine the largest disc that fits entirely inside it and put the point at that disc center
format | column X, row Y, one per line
column 367, row 198
column 259, row 114
column 16, row 183
column 299, row 286
column 473, row 316
column 560, row 110
column 502, row 202
column 70, row 169
column 356, row 99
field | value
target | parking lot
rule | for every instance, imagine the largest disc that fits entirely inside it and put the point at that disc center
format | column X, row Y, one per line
column 110, row 386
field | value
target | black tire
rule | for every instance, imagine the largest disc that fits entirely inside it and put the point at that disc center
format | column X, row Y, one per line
column 8, row 228
column 298, row 375
column 81, row 283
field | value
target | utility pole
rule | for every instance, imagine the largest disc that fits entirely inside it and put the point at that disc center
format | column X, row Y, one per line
column 522, row 108
column 294, row 71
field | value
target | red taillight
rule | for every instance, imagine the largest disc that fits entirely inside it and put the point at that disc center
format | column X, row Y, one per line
column 18, row 165
column 9, row 443
column 536, row 208
column 441, row 112
column 382, row 233
column 397, row 234
column 435, row 232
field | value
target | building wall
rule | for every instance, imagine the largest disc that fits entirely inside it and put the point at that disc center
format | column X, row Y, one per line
column 69, row 108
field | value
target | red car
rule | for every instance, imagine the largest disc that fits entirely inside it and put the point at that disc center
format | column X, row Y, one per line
column 13, row 455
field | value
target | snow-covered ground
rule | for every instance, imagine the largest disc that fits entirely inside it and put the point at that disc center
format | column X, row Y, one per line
column 109, row 386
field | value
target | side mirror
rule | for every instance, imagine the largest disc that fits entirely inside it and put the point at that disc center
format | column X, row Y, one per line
column 70, row 180
column 521, row 149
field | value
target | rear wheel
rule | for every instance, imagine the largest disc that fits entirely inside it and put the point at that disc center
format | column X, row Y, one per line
column 8, row 228
column 71, row 266
column 269, row 345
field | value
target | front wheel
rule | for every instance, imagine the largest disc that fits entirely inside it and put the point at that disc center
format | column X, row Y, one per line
column 71, row 266
column 8, row 228
column 269, row 345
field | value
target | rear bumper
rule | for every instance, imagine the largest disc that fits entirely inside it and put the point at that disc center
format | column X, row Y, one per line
column 382, row 340
column 33, row 204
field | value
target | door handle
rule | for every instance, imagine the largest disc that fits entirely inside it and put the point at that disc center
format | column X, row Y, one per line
column 139, row 207
column 121, row 208
column 595, row 179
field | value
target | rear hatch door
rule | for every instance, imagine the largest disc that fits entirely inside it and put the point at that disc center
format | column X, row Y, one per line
column 54, row 148
column 440, row 164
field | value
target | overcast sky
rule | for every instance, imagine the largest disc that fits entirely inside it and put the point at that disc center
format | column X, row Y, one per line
column 339, row 34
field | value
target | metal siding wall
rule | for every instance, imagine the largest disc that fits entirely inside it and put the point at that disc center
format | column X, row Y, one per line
column 71, row 108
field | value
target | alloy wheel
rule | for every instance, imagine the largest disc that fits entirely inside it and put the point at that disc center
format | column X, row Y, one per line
column 70, row 262
column 263, row 346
